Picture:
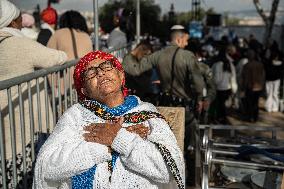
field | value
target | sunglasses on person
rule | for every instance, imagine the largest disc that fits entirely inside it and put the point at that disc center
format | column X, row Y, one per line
column 93, row 71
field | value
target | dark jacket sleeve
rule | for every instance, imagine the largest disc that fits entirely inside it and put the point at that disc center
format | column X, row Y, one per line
column 44, row 36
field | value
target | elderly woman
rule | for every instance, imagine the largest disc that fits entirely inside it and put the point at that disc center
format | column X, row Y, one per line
column 108, row 139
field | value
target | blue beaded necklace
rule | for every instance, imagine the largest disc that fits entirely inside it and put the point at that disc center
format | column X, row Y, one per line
column 129, row 103
column 85, row 179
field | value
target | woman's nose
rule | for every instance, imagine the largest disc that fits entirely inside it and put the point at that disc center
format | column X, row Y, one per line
column 100, row 72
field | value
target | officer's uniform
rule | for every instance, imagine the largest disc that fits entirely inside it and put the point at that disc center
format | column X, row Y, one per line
column 210, row 87
column 187, row 82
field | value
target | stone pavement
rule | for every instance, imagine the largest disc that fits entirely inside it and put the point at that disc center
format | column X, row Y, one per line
column 265, row 119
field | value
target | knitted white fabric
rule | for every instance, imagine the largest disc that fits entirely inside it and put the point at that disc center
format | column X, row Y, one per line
column 140, row 164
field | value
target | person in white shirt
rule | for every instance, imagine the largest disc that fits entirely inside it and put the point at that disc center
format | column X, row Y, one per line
column 224, row 75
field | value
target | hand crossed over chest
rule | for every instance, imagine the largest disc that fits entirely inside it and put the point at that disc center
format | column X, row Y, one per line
column 104, row 133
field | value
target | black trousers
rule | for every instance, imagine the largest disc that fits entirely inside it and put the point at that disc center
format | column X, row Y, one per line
column 251, row 104
column 221, row 98
column 192, row 156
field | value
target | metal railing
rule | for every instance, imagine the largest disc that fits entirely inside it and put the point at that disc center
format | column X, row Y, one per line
column 30, row 106
column 216, row 152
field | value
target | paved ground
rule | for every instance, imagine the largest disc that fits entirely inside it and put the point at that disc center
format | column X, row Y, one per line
column 265, row 119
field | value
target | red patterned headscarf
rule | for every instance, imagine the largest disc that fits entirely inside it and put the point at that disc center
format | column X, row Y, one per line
column 81, row 67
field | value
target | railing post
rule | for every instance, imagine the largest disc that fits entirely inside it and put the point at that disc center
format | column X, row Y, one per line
column 138, row 24
column 96, row 24
column 13, row 138
column 2, row 154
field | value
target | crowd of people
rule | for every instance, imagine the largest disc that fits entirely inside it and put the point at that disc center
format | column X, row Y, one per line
column 229, row 74
column 242, row 74
column 114, row 137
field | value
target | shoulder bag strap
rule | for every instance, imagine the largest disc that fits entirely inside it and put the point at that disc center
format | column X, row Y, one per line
column 74, row 44
column 172, row 71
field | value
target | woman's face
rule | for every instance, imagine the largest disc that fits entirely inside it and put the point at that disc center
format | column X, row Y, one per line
column 102, row 79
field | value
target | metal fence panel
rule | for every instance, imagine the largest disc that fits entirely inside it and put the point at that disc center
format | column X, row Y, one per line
column 34, row 103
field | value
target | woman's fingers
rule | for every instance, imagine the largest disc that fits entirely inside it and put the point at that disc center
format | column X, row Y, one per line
column 130, row 129
column 90, row 137
column 93, row 126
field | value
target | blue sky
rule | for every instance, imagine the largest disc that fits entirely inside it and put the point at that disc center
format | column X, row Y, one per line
column 180, row 5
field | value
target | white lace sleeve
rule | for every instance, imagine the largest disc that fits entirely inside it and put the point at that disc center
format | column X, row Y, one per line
column 66, row 154
column 143, row 156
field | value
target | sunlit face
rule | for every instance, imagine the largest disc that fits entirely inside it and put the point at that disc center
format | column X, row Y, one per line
column 101, row 79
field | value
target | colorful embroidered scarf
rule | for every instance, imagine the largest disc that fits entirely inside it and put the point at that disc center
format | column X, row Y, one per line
column 85, row 179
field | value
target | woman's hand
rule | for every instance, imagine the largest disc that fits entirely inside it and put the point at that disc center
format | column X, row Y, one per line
column 139, row 129
column 102, row 133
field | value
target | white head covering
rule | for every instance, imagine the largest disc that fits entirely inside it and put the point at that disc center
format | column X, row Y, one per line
column 27, row 20
column 177, row 27
column 8, row 13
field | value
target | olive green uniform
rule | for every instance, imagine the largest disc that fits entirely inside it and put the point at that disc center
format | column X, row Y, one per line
column 207, row 75
column 210, row 87
column 187, row 82
column 140, row 84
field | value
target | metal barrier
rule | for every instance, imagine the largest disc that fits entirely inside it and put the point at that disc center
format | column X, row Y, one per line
column 30, row 106
column 216, row 153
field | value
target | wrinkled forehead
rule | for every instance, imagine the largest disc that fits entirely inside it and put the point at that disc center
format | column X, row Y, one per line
column 95, row 63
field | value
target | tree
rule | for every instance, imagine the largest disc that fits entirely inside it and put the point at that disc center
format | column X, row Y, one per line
column 230, row 21
column 184, row 18
column 267, row 19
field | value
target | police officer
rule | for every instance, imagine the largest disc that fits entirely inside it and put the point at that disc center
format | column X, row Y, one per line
column 178, row 69
column 209, row 91
column 180, row 76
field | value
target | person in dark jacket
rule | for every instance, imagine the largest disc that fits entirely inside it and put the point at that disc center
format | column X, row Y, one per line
column 139, row 85
column 49, row 17
column 252, row 84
